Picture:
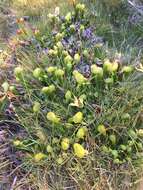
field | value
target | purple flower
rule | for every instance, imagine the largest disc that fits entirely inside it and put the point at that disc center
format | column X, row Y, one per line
column 77, row 26
column 96, row 40
column 45, row 51
column 65, row 42
column 87, row 33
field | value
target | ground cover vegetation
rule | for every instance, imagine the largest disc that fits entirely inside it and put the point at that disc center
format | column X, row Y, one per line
column 75, row 96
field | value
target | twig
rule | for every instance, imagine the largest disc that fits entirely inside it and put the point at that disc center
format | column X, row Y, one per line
column 13, row 184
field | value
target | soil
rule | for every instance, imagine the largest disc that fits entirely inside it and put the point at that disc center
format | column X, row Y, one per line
column 7, row 23
column 11, row 171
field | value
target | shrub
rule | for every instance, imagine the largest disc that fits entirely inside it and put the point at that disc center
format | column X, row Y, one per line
column 82, row 105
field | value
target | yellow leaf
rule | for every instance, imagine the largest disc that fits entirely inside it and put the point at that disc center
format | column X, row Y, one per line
column 79, row 151
column 140, row 68
column 78, row 102
column 78, row 117
column 2, row 98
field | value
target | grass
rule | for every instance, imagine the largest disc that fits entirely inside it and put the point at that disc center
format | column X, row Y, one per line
column 115, row 25
column 117, row 106
column 34, row 8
